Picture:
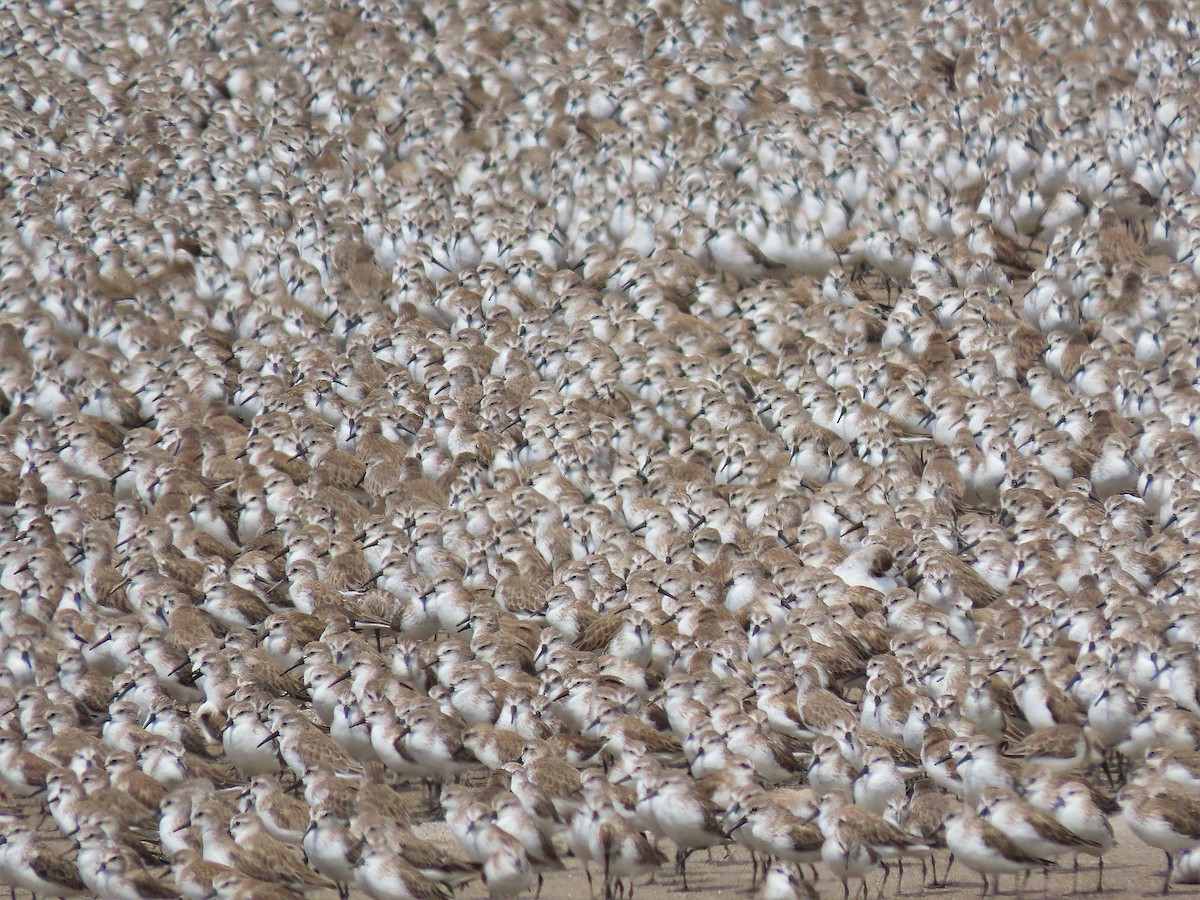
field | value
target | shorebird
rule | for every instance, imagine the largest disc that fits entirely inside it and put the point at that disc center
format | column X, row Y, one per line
column 1162, row 818
column 690, row 418
column 1061, row 748
column 626, row 853
column 980, row 765
column 923, row 814
column 1175, row 764
column 986, row 849
column 384, row 875
column 34, row 866
column 196, row 877
column 1035, row 832
column 112, row 870
column 332, row 849
column 547, row 788
column 1076, row 809
column 507, row 871
column 677, row 812
column 878, row 782
column 431, row 860
column 302, row 746
column 774, row 831
column 856, row 841
column 282, row 816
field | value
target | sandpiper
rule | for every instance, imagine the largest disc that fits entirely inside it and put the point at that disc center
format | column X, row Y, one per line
column 1161, row 818
column 986, row 849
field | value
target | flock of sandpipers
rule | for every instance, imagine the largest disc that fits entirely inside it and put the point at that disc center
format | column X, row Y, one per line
column 603, row 431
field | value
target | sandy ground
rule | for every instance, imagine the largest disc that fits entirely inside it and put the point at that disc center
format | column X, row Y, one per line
column 1132, row 869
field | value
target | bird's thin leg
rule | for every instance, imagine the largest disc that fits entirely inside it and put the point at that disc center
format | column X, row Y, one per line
column 682, row 865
